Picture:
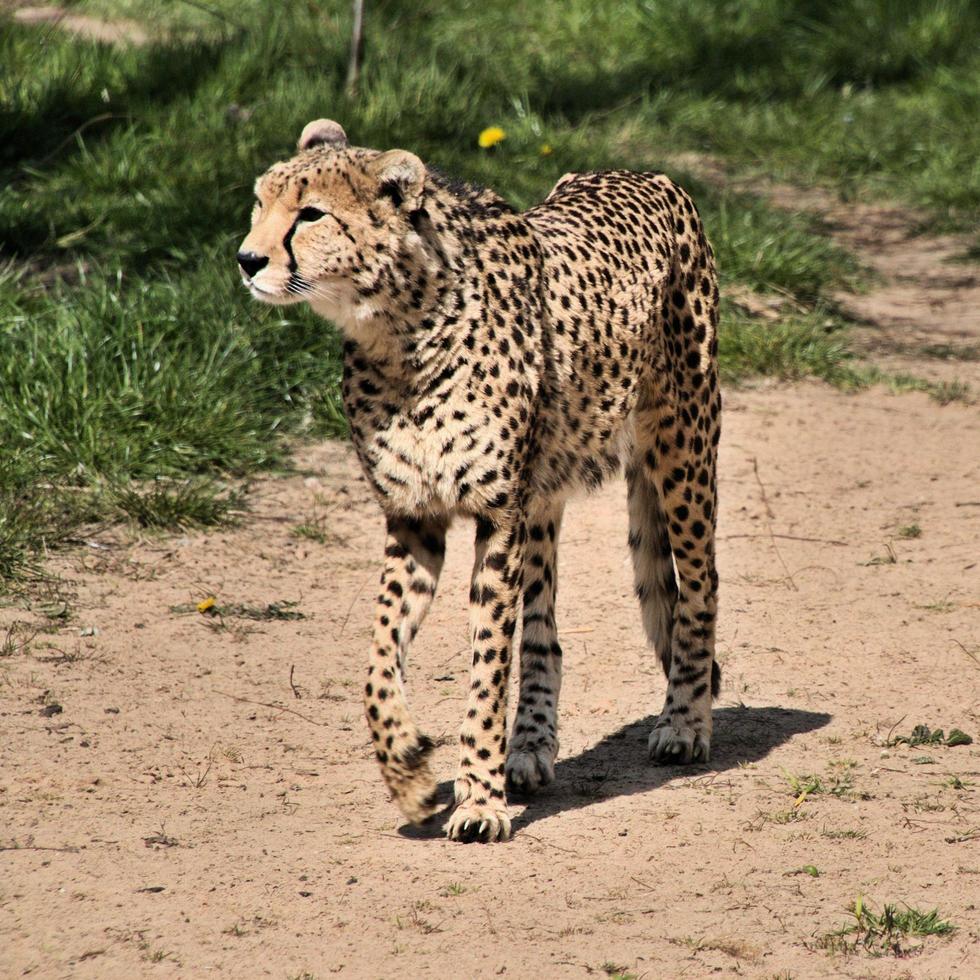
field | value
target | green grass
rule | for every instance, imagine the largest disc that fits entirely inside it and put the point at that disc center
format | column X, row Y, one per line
column 176, row 503
column 839, row 783
column 129, row 351
column 809, row 344
column 886, row 932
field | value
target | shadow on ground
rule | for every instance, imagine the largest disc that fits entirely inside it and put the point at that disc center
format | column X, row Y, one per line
column 618, row 765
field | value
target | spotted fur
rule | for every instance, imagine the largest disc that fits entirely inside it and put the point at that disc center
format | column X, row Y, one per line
column 494, row 362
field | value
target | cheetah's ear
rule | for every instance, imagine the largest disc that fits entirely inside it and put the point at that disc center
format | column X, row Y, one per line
column 400, row 176
column 322, row 132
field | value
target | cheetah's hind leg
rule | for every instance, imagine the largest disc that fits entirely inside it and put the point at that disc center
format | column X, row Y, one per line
column 683, row 731
column 678, row 426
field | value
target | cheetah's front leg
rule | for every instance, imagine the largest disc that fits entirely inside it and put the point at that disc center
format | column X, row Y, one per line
column 534, row 741
column 414, row 552
column 481, row 804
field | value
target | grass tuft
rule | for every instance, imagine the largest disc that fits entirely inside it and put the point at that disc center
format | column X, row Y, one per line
column 800, row 346
column 839, row 782
column 175, row 505
column 886, row 932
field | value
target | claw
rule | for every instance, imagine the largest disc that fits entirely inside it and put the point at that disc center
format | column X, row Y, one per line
column 484, row 823
column 678, row 746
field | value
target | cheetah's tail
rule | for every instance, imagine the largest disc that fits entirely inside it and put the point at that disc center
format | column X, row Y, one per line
column 653, row 563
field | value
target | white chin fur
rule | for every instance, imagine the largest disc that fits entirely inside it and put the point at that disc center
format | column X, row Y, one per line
column 273, row 299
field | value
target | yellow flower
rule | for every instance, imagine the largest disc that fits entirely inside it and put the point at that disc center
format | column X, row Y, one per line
column 205, row 605
column 491, row 136
column 545, row 150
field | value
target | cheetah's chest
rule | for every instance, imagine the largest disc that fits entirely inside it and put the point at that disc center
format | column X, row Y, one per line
column 433, row 466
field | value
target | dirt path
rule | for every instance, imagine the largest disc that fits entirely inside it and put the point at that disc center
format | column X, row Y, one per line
column 921, row 315
column 117, row 31
column 183, row 793
column 921, row 312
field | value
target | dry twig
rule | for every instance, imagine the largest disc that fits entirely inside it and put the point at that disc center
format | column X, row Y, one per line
column 269, row 704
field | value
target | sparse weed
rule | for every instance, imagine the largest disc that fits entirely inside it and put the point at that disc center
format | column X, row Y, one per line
column 924, row 803
column 416, row 919
column 888, row 558
column 924, row 735
column 315, row 527
column 199, row 780
column 156, row 955
column 735, row 947
column 805, row 785
column 230, row 752
column 615, row 972
column 327, row 692
column 839, row 782
column 312, row 530
column 949, row 352
column 78, row 655
column 947, row 392
column 944, row 392
column 885, row 932
column 17, row 639
column 284, row 610
column 957, row 783
column 940, row 606
column 778, row 817
column 844, row 834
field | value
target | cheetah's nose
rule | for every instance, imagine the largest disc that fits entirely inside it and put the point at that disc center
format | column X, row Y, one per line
column 252, row 263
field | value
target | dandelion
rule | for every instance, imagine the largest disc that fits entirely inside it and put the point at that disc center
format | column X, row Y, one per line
column 491, row 136
column 206, row 605
column 545, row 150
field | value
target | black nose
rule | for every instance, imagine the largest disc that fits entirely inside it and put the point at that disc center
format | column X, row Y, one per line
column 252, row 263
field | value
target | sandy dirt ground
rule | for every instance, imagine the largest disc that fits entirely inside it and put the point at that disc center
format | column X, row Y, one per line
column 185, row 794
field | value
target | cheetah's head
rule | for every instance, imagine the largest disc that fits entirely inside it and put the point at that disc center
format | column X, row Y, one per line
column 329, row 224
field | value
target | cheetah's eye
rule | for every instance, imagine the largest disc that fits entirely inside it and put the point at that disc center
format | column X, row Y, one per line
column 311, row 214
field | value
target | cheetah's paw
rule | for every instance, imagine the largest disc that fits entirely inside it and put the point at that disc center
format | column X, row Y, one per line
column 414, row 789
column 529, row 768
column 472, row 821
column 419, row 800
column 672, row 744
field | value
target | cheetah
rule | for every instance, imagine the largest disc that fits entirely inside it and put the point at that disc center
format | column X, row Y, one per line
column 493, row 362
